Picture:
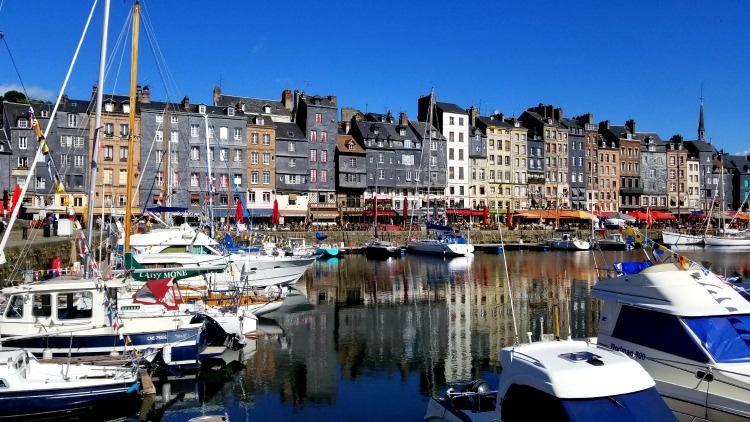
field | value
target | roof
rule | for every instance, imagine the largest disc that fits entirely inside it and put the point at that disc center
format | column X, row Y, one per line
column 699, row 146
column 420, row 129
column 289, row 131
column 255, row 105
column 343, row 142
column 741, row 162
column 450, row 108
column 317, row 101
column 484, row 122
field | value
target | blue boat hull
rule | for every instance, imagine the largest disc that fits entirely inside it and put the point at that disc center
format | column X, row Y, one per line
column 187, row 345
column 327, row 252
column 49, row 403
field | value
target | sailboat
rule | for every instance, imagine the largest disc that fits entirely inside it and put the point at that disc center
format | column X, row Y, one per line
column 448, row 242
column 379, row 249
column 725, row 237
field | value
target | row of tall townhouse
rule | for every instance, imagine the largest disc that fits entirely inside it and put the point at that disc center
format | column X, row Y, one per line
column 320, row 168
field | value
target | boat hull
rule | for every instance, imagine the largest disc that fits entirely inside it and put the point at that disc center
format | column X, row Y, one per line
column 439, row 248
column 673, row 238
column 569, row 245
column 382, row 252
column 726, row 241
column 51, row 402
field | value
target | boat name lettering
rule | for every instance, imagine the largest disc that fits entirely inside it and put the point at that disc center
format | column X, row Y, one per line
column 166, row 274
column 157, row 337
column 633, row 354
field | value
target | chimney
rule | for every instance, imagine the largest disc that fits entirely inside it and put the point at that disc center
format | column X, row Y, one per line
column 94, row 89
column 549, row 111
column 186, row 103
column 137, row 92
column 402, row 119
column 604, row 125
column 558, row 114
column 501, row 117
column 217, row 95
column 333, row 99
column 630, row 124
column 64, row 100
column 287, row 100
column 473, row 113
column 389, row 117
column 145, row 95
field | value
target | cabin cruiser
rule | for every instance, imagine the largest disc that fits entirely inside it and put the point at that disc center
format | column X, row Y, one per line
column 556, row 381
column 687, row 328
column 568, row 243
column 612, row 242
column 381, row 249
column 447, row 243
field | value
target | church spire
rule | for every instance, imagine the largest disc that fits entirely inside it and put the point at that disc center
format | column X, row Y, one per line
column 701, row 128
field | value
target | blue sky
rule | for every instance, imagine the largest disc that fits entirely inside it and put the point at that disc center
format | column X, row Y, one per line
column 641, row 60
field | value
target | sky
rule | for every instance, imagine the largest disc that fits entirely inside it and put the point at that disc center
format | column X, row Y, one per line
column 650, row 61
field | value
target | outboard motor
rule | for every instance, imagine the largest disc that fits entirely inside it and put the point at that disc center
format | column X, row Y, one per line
column 475, row 396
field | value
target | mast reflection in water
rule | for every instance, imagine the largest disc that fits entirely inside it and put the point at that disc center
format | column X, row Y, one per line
column 374, row 339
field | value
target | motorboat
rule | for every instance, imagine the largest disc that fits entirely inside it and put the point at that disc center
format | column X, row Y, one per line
column 557, row 381
column 568, row 242
column 687, row 328
column 79, row 317
column 446, row 243
column 381, row 249
column 677, row 238
column 612, row 242
column 30, row 388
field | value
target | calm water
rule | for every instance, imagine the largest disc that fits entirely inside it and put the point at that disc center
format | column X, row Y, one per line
column 374, row 339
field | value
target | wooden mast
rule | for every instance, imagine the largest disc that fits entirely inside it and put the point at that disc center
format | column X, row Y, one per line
column 165, row 161
column 133, row 77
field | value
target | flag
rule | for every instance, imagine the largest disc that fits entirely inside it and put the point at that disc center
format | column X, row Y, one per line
column 649, row 218
column 16, row 197
column 238, row 213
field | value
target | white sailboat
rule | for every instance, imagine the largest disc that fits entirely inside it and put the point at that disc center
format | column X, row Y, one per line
column 725, row 236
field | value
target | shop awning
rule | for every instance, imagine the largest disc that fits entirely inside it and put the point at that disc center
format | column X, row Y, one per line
column 459, row 212
column 259, row 212
column 387, row 213
column 292, row 213
column 318, row 215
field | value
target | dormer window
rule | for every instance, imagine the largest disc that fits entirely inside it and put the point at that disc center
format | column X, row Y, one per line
column 22, row 122
column 351, row 146
column 126, row 108
column 109, row 107
column 402, row 131
column 260, row 121
column 376, row 131
column 230, row 111
column 267, row 109
column 290, row 134
column 45, row 113
column 202, row 108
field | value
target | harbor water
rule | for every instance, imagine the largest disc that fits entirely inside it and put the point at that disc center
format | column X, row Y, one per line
column 373, row 340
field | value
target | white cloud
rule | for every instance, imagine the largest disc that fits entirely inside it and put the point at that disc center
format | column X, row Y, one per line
column 34, row 92
column 745, row 152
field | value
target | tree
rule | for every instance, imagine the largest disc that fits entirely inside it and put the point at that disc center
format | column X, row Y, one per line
column 15, row 97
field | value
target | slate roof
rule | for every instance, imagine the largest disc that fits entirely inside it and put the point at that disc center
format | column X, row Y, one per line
column 255, row 105
column 569, row 123
column 317, row 101
column 289, row 131
column 193, row 108
column 741, row 162
column 699, row 146
column 483, row 122
column 420, row 129
column 450, row 108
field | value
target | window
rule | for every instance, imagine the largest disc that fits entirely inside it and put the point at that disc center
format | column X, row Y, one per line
column 194, row 131
column 313, row 155
column 223, row 133
column 266, row 177
column 237, row 133
column 254, row 138
column 292, row 162
column 254, row 157
column 195, row 153
column 452, row 120
column 194, row 179
column 324, row 137
column 159, row 118
column 174, row 136
column 159, row 178
column 159, row 136
column 223, row 154
column 123, row 153
column 381, row 174
column 42, row 305
column 174, row 159
column 15, row 307
column 126, row 108
column 40, row 182
column 237, row 155
column 174, row 120
column 318, row 117
column 22, row 142
column 223, row 180
column 407, row 160
column 267, row 198
column 266, row 158
column 324, row 176
column 78, row 141
column 123, row 178
column 109, row 129
column 78, row 161
column 107, row 176
column 313, row 136
column 313, row 176
column 124, row 130
column 292, row 179
column 433, row 145
column 75, row 305
column 238, row 180
column 353, row 162
column 121, row 200
column 211, row 132
column 73, row 120
column 323, row 156
column 266, row 139
column 292, row 148
column 65, row 159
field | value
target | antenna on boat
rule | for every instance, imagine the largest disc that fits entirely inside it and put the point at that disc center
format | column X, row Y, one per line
column 510, row 291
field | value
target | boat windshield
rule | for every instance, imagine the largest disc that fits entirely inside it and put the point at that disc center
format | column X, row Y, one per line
column 726, row 338
column 4, row 299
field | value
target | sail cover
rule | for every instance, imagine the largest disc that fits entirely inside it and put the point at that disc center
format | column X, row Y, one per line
column 163, row 292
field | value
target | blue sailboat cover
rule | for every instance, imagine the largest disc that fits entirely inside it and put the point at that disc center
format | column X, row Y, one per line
column 320, row 237
column 439, row 227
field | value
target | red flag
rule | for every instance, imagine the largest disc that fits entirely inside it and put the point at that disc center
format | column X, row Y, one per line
column 239, row 213
column 649, row 217
column 16, row 197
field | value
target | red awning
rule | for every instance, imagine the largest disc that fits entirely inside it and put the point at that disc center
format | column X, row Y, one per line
column 387, row 213
column 476, row 213
column 459, row 212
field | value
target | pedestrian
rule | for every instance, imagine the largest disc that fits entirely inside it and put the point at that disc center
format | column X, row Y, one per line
column 56, row 266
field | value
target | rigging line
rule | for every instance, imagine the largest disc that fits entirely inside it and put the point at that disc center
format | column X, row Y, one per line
column 119, row 45
column 15, row 67
column 148, row 157
column 158, row 57
column 510, row 291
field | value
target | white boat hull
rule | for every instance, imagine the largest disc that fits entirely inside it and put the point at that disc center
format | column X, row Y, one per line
column 726, row 241
column 673, row 238
column 436, row 247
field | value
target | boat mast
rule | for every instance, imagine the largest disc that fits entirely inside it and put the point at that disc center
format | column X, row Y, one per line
column 165, row 161
column 97, row 139
column 133, row 77
column 210, row 183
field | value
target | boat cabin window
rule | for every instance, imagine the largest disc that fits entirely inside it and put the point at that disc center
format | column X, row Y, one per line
column 665, row 333
column 4, row 300
column 726, row 337
column 3, row 384
column 524, row 403
column 76, row 305
column 42, row 305
column 15, row 310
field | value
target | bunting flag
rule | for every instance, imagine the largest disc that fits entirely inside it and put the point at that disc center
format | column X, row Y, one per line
column 53, row 173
